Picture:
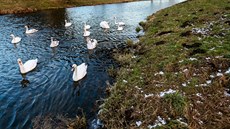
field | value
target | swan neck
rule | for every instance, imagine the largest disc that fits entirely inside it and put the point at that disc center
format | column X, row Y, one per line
column 22, row 69
column 26, row 28
column 115, row 20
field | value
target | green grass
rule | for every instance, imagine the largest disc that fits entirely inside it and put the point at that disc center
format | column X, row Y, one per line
column 172, row 46
column 22, row 6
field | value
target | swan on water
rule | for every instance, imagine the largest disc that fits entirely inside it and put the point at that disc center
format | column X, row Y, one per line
column 54, row 43
column 119, row 27
column 27, row 66
column 118, row 23
column 67, row 24
column 86, row 26
column 104, row 24
column 15, row 39
column 30, row 31
column 91, row 43
column 86, row 33
column 79, row 71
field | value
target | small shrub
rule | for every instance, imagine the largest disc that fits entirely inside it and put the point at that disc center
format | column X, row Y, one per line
column 123, row 58
column 112, row 72
column 129, row 42
column 142, row 24
column 176, row 102
column 78, row 123
column 138, row 29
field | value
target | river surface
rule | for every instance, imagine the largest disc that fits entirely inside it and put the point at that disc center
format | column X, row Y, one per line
column 49, row 89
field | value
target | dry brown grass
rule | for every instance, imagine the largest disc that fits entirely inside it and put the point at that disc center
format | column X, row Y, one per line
column 172, row 55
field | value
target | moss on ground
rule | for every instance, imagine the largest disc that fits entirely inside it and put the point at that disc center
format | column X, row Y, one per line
column 186, row 49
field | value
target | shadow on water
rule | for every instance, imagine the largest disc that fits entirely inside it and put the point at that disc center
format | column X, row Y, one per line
column 50, row 89
column 25, row 82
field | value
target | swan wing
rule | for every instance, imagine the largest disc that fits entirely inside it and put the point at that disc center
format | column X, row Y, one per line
column 87, row 27
column 31, row 31
column 67, row 24
column 90, row 45
column 16, row 40
column 81, row 71
column 30, row 65
column 104, row 24
column 121, row 23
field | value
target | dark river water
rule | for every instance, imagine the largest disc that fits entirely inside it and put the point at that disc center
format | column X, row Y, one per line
column 49, row 89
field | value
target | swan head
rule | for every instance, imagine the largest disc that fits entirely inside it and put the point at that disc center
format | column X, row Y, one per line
column 11, row 35
column 74, row 66
column 26, row 26
column 19, row 61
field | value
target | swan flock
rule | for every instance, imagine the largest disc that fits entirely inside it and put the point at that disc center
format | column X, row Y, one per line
column 79, row 71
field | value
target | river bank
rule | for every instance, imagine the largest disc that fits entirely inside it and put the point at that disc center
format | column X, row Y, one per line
column 177, row 76
column 20, row 6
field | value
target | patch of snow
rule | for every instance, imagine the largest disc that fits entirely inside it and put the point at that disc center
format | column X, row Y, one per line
column 137, row 87
column 201, row 122
column 218, row 56
column 170, row 91
column 134, row 56
column 160, row 121
column 211, row 76
column 180, row 120
column 192, row 59
column 181, row 61
column 149, row 95
column 219, row 74
column 138, row 123
column 199, row 102
column 208, row 58
column 209, row 81
column 184, row 84
column 212, row 49
column 151, row 126
column 125, row 81
column 198, row 94
column 161, row 73
column 226, row 94
column 185, row 70
column 203, row 85
column 220, row 113
column 228, row 71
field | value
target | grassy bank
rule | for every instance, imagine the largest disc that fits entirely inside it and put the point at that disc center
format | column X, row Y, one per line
column 22, row 6
column 178, row 74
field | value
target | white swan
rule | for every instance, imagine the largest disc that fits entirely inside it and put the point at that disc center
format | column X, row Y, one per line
column 67, row 24
column 86, row 33
column 30, row 31
column 28, row 66
column 104, row 24
column 86, row 26
column 119, row 27
column 91, row 43
column 79, row 71
column 54, row 43
column 118, row 23
column 15, row 39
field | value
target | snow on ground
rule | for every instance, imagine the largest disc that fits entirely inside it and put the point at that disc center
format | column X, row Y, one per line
column 170, row 91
